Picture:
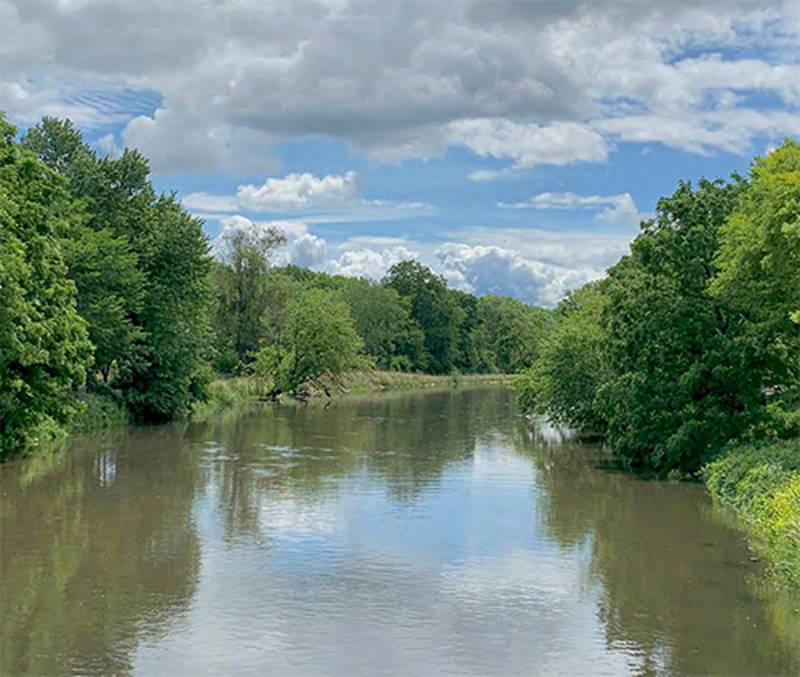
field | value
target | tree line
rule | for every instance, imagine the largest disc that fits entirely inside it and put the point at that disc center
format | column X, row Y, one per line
column 693, row 339
column 110, row 288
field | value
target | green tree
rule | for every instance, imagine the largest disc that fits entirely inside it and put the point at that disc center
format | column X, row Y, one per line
column 142, row 269
column 434, row 309
column 508, row 334
column 319, row 345
column 243, row 295
column 682, row 384
column 571, row 366
column 174, row 368
column 97, row 249
column 44, row 350
column 467, row 317
column 383, row 320
column 759, row 262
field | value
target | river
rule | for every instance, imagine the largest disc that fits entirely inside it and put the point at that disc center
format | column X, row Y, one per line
column 403, row 534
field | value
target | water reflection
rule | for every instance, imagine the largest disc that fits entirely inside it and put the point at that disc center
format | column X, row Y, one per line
column 99, row 552
column 678, row 586
column 429, row 533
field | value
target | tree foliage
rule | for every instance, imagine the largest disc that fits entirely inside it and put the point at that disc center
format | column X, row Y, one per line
column 100, row 256
column 391, row 336
column 435, row 310
column 242, row 293
column 44, row 350
column 759, row 264
column 571, row 365
column 682, row 384
column 508, row 334
column 141, row 267
column 692, row 340
column 319, row 345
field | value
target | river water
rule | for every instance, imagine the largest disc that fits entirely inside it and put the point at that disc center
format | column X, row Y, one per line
column 412, row 534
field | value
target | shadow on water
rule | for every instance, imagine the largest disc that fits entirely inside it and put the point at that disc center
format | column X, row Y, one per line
column 398, row 534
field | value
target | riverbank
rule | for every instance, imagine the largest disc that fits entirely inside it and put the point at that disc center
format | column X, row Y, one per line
column 102, row 411
column 761, row 485
column 230, row 392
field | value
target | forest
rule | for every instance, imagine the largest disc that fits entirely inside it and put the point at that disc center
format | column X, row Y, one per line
column 114, row 301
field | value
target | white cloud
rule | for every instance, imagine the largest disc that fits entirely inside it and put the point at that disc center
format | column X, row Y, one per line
column 569, row 249
column 536, row 266
column 299, row 191
column 615, row 209
column 484, row 269
column 704, row 132
column 531, row 83
column 206, row 202
column 370, row 263
column 529, row 145
column 107, row 145
column 302, row 248
column 329, row 199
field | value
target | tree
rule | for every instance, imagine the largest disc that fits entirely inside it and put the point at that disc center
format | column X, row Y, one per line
column 98, row 249
column 434, row 309
column 383, row 320
column 174, row 367
column 242, row 294
column 759, row 267
column 44, row 349
column 683, row 384
column 142, row 270
column 466, row 357
column 571, row 365
column 320, row 344
column 508, row 334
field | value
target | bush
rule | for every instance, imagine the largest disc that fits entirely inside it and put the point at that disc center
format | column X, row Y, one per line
column 761, row 482
column 98, row 411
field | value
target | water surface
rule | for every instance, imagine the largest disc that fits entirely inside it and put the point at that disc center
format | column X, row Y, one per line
column 414, row 534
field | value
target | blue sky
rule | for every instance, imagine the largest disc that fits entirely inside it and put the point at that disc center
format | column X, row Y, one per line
column 511, row 146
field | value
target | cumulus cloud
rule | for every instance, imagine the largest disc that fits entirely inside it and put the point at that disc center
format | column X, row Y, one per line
column 370, row 263
column 529, row 145
column 302, row 248
column 535, row 266
column 731, row 130
column 494, row 270
column 298, row 191
column 530, row 83
column 108, row 146
column 335, row 196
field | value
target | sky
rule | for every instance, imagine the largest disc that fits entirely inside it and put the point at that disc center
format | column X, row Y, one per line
column 514, row 147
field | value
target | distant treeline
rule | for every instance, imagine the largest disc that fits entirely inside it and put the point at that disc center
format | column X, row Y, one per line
column 108, row 288
column 693, row 340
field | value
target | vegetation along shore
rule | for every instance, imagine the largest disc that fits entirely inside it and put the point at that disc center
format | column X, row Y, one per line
column 685, row 357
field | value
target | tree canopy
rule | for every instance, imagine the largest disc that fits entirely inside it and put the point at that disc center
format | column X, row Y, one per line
column 693, row 339
column 44, row 349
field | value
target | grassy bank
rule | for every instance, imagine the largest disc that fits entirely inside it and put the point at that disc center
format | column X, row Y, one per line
column 761, row 484
column 377, row 381
column 227, row 393
column 232, row 392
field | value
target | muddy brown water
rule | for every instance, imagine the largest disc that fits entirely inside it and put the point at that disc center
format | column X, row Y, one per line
column 414, row 534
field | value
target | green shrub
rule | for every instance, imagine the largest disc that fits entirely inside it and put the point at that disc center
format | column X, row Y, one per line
column 98, row 411
column 226, row 393
column 762, row 484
